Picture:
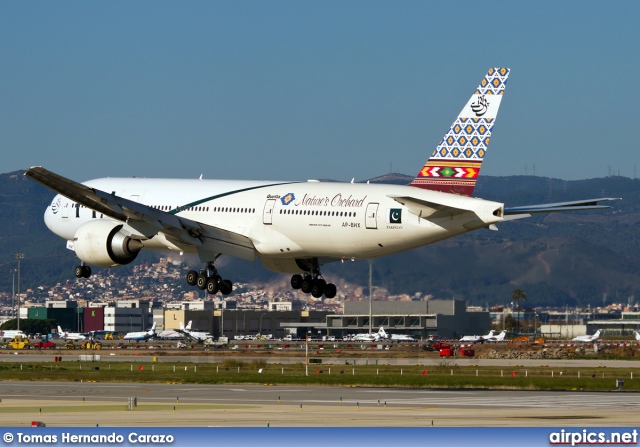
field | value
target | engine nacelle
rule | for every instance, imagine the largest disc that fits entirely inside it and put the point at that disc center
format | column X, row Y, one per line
column 102, row 243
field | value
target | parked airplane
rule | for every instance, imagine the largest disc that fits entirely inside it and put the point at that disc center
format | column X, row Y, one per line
column 170, row 334
column 145, row 335
column 70, row 335
column 496, row 338
column 292, row 227
column 198, row 336
column 366, row 337
column 394, row 337
column 477, row 338
column 11, row 334
column 588, row 338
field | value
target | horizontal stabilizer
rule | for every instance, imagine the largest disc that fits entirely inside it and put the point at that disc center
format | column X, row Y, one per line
column 578, row 205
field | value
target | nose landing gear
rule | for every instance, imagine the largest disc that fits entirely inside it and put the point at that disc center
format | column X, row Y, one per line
column 82, row 271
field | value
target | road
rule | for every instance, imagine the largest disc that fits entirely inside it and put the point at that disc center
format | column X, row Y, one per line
column 88, row 404
column 212, row 357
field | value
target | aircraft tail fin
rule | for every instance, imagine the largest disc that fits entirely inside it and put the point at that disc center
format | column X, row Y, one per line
column 60, row 331
column 455, row 163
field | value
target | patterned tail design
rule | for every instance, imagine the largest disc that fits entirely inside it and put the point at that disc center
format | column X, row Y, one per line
column 455, row 164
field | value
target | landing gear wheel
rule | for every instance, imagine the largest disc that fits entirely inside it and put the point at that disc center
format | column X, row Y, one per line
column 317, row 289
column 82, row 271
column 296, row 281
column 226, row 287
column 330, row 290
column 306, row 285
column 201, row 282
column 192, row 277
column 212, row 286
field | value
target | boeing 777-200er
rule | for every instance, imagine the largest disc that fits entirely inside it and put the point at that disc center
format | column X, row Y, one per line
column 292, row 227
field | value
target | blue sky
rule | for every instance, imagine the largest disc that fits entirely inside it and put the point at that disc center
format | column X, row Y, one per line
column 293, row 90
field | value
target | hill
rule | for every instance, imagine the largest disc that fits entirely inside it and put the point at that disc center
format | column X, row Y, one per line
column 558, row 259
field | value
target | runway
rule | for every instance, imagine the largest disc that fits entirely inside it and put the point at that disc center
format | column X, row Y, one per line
column 88, row 404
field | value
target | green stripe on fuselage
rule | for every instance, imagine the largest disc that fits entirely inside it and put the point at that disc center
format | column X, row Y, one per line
column 208, row 199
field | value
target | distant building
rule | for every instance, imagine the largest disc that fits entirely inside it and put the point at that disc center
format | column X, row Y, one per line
column 447, row 318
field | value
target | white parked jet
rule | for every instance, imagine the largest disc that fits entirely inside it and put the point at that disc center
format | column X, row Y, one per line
column 70, row 335
column 198, row 336
column 394, row 337
column 292, row 227
column 496, row 338
column 11, row 334
column 477, row 338
column 588, row 338
column 145, row 335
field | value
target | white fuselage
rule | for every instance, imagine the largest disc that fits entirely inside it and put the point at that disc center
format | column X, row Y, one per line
column 288, row 220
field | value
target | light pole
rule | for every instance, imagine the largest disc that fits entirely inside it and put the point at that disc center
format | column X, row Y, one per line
column 19, row 257
column 13, row 292
column 306, row 354
column 260, row 331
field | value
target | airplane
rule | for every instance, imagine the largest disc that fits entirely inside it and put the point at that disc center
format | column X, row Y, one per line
column 145, row 335
column 170, row 334
column 477, row 338
column 394, row 337
column 365, row 337
column 11, row 334
column 496, row 338
column 290, row 226
column 198, row 336
column 637, row 335
column 70, row 335
column 587, row 338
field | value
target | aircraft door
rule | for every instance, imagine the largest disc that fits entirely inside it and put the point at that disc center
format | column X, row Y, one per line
column 371, row 216
column 267, row 214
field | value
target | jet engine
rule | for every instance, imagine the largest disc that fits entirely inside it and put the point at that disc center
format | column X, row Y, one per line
column 103, row 243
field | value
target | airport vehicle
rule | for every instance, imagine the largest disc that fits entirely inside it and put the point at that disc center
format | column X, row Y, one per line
column 70, row 335
column 291, row 227
column 89, row 344
column 19, row 342
column 588, row 338
column 42, row 344
column 11, row 334
column 145, row 335
column 477, row 338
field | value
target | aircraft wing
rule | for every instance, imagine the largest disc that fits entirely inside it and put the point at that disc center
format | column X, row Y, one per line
column 146, row 220
column 520, row 212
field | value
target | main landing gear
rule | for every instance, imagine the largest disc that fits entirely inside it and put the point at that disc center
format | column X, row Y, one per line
column 313, row 284
column 82, row 271
column 208, row 279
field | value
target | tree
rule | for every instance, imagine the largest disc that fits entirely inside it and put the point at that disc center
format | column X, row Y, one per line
column 517, row 296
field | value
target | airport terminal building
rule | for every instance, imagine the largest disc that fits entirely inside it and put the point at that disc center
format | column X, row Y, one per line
column 447, row 318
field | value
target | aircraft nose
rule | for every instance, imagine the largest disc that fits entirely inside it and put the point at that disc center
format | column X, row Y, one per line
column 48, row 215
